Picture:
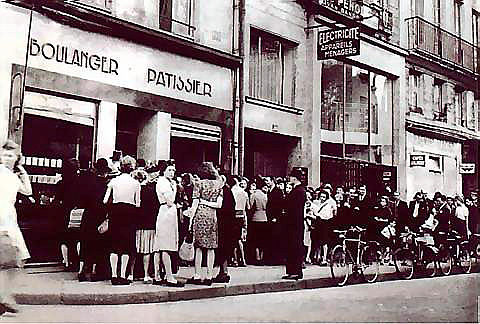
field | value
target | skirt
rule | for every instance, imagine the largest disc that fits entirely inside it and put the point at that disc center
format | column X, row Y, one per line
column 121, row 228
column 205, row 228
column 166, row 232
column 145, row 240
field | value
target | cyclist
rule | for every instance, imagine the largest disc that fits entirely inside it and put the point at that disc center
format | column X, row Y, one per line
column 418, row 211
column 384, row 228
column 461, row 217
column 443, row 216
column 400, row 212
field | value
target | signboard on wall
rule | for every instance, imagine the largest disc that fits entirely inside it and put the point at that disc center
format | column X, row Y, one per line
column 467, row 168
column 350, row 8
column 338, row 42
column 417, row 160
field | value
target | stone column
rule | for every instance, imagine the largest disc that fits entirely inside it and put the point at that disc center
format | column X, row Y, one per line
column 106, row 129
column 153, row 141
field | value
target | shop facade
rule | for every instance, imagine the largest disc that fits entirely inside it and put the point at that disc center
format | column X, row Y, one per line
column 442, row 120
column 273, row 119
column 88, row 94
column 356, row 119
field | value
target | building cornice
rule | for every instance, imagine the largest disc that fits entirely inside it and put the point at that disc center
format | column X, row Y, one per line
column 439, row 130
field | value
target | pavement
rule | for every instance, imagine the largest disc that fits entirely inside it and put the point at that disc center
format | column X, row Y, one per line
column 51, row 286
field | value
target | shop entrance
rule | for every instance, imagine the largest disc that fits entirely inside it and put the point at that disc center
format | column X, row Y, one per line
column 130, row 123
column 54, row 129
column 267, row 154
column 189, row 153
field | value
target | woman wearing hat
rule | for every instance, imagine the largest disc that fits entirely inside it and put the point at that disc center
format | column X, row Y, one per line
column 92, row 243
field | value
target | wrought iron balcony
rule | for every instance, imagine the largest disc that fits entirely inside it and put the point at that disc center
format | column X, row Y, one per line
column 433, row 40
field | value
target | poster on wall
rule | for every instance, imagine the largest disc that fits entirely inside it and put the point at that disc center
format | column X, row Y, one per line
column 417, row 160
column 467, row 168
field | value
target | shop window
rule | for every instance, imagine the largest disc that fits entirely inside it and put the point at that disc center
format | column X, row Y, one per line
column 353, row 94
column 271, row 68
column 176, row 16
column 96, row 4
column 434, row 164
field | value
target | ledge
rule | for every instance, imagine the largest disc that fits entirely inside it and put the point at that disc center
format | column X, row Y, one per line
column 275, row 106
column 439, row 130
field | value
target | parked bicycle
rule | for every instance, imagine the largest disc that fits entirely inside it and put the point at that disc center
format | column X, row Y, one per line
column 362, row 261
column 453, row 249
column 416, row 253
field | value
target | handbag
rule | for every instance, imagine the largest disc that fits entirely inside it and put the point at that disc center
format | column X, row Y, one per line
column 103, row 227
column 8, row 252
column 75, row 219
column 187, row 251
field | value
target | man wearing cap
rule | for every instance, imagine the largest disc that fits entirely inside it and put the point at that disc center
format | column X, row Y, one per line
column 294, row 221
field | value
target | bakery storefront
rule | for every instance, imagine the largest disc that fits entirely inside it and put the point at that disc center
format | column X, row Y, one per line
column 87, row 94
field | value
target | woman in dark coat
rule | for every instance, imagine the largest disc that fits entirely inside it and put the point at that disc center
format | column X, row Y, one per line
column 92, row 243
column 226, row 234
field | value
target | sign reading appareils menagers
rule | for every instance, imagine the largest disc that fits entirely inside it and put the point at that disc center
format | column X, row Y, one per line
column 341, row 42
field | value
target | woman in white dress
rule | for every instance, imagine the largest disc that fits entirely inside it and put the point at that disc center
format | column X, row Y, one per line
column 166, row 231
column 13, row 179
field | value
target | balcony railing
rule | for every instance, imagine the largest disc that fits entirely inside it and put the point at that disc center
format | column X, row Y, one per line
column 425, row 36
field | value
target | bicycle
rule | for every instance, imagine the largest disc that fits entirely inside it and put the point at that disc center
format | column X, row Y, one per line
column 453, row 250
column 415, row 253
column 475, row 246
column 364, row 262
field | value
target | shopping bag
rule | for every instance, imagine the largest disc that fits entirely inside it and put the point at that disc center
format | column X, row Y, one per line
column 75, row 219
column 103, row 227
column 187, row 251
column 388, row 231
column 8, row 252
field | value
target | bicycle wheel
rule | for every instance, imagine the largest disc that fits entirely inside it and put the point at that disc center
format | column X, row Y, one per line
column 445, row 260
column 404, row 259
column 464, row 259
column 369, row 263
column 340, row 265
column 429, row 260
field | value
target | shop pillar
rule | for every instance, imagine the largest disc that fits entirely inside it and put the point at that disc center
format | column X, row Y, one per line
column 106, row 129
column 154, row 137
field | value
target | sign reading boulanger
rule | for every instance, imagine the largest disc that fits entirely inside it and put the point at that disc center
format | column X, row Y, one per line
column 341, row 42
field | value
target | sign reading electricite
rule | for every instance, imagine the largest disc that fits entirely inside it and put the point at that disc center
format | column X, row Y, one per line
column 341, row 42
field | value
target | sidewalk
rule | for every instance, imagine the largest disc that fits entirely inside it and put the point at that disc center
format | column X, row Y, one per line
column 49, row 286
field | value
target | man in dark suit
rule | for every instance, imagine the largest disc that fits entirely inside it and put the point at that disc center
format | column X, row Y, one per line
column 275, row 202
column 418, row 211
column 294, row 221
column 400, row 212
column 362, row 208
column 444, row 215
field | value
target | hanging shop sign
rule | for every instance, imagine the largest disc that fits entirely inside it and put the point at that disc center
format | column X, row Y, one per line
column 417, row 160
column 349, row 8
column 467, row 168
column 340, row 42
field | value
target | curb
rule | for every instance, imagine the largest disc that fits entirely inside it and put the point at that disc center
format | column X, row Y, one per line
column 179, row 294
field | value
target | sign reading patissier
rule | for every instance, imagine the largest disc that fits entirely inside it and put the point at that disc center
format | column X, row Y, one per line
column 341, row 42
column 65, row 50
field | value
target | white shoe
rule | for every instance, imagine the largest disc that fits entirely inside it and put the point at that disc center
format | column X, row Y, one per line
column 148, row 279
column 130, row 277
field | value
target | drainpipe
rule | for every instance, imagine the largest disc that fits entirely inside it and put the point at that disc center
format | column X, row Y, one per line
column 241, row 87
